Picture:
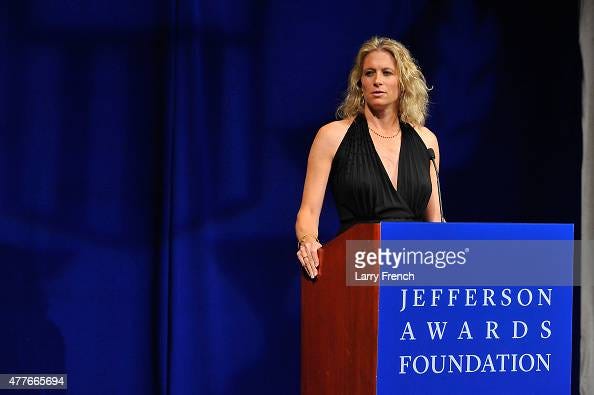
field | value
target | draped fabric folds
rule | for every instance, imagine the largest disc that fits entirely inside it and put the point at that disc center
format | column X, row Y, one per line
column 362, row 189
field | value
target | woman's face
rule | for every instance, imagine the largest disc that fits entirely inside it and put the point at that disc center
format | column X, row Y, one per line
column 379, row 80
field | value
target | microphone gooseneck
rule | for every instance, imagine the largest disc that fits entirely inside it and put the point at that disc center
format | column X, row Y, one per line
column 431, row 155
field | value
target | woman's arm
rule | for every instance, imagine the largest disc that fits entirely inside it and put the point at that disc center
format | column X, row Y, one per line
column 319, row 163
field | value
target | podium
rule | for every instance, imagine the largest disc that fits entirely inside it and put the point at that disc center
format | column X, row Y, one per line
column 493, row 319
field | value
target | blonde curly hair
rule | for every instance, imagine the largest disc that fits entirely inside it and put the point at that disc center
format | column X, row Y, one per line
column 414, row 96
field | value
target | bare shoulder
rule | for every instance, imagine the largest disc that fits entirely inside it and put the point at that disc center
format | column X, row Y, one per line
column 334, row 130
column 330, row 136
column 426, row 135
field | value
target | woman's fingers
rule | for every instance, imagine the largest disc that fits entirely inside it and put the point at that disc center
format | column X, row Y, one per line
column 303, row 260
column 308, row 261
column 308, row 257
column 312, row 249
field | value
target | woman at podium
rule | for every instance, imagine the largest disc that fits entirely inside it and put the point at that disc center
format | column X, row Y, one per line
column 376, row 156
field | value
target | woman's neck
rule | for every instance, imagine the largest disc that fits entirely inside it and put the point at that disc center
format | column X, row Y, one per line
column 385, row 119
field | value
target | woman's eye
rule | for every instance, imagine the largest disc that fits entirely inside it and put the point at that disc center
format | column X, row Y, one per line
column 368, row 73
column 387, row 72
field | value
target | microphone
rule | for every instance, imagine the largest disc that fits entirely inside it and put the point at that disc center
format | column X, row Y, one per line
column 431, row 155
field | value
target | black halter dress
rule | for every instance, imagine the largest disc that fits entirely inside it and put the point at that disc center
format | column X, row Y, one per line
column 362, row 189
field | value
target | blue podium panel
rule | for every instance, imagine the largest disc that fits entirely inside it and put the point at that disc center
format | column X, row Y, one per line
column 476, row 339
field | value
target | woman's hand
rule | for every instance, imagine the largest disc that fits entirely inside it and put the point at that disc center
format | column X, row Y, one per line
column 308, row 256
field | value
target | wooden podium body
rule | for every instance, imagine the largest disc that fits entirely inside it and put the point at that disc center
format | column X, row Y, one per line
column 341, row 326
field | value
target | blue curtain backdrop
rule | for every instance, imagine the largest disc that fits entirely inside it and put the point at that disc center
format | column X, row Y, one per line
column 152, row 156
